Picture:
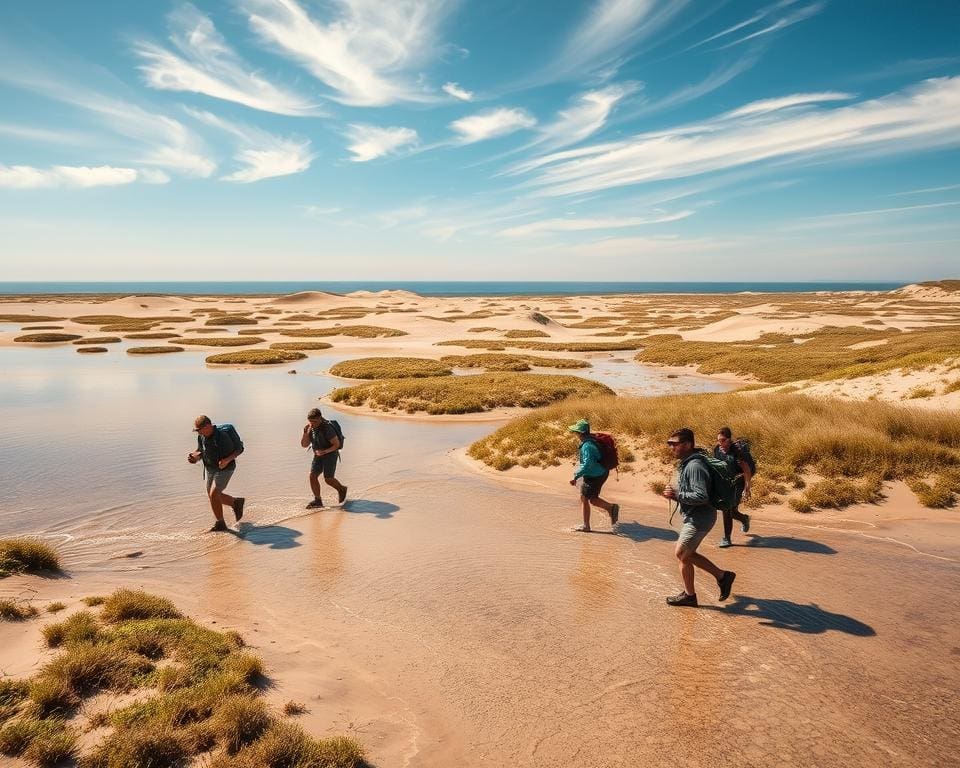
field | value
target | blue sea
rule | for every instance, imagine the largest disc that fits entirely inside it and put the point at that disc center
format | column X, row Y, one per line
column 431, row 288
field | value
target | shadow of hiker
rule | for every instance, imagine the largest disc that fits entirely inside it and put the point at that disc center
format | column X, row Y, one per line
column 784, row 614
column 789, row 543
column 272, row 536
column 640, row 533
column 381, row 509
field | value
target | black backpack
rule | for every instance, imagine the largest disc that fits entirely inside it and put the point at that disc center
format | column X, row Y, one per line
column 743, row 448
column 336, row 428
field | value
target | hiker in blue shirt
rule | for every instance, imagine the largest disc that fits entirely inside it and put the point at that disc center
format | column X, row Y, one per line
column 218, row 446
column 320, row 435
column 591, row 474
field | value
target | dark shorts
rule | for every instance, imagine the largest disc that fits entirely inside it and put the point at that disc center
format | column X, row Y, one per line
column 590, row 486
column 325, row 465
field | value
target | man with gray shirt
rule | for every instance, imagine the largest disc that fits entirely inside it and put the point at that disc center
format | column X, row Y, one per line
column 693, row 495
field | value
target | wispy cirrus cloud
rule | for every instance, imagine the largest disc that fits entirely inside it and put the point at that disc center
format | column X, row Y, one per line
column 260, row 154
column 572, row 224
column 204, row 63
column 585, row 117
column 366, row 54
column 368, row 142
column 453, row 89
column 786, row 102
column 922, row 117
column 491, row 124
column 75, row 176
column 765, row 21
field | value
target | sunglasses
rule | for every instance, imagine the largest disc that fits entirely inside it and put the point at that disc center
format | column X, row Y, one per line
column 672, row 443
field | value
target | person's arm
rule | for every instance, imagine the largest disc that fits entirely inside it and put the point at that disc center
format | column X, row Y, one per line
column 747, row 477
column 305, row 437
column 334, row 446
column 225, row 461
column 698, row 479
column 589, row 454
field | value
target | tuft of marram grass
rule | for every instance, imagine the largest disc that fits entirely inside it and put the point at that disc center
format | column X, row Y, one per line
column 98, row 340
column 46, row 338
column 222, row 341
column 41, row 742
column 297, row 346
column 293, row 708
column 126, row 604
column 93, row 600
column 286, row 744
column 390, row 368
column 358, row 331
column 91, row 350
column 81, row 627
column 56, row 607
column 526, row 334
column 544, row 346
column 14, row 610
column 27, row 555
column 492, row 361
column 255, row 357
column 153, row 350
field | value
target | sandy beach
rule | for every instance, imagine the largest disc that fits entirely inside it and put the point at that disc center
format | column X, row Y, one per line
column 446, row 614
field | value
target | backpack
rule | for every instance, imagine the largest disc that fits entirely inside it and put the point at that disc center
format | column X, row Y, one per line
column 723, row 488
column 221, row 433
column 335, row 425
column 743, row 448
column 608, row 450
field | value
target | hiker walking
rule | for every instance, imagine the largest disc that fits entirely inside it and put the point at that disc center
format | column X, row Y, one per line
column 325, row 439
column 737, row 455
column 592, row 473
column 693, row 492
column 218, row 446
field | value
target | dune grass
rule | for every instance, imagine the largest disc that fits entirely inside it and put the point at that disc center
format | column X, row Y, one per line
column 14, row 610
column 42, row 328
column 56, row 607
column 153, row 350
column 46, row 338
column 199, row 697
column 358, row 331
column 123, row 319
column 544, row 346
column 91, row 350
column 305, row 346
column 27, row 555
column 521, row 334
column 20, row 319
column 98, row 340
column 390, row 368
column 231, row 320
column 222, row 341
column 256, row 357
column 791, row 435
column 492, row 361
column 467, row 394
column 153, row 335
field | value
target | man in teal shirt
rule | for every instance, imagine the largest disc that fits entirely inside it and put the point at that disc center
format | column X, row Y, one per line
column 592, row 475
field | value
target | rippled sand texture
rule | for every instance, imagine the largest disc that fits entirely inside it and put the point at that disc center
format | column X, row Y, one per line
column 448, row 621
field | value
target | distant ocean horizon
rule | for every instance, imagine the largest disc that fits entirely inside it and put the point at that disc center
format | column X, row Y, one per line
column 431, row 288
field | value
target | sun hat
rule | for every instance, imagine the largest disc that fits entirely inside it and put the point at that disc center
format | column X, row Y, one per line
column 582, row 426
column 200, row 422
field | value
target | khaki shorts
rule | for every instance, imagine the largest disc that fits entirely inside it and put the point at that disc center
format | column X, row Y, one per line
column 695, row 528
column 217, row 478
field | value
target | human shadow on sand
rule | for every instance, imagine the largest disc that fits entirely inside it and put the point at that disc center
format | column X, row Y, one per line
column 808, row 619
column 790, row 543
column 381, row 509
column 272, row 536
column 640, row 532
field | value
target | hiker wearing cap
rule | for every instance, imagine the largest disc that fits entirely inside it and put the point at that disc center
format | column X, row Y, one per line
column 325, row 440
column 591, row 474
column 693, row 492
column 734, row 453
column 218, row 447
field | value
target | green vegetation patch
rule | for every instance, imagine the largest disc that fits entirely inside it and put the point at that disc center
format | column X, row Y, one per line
column 222, row 341
column 492, row 361
column 790, row 434
column 27, row 555
column 467, row 394
column 305, row 346
column 46, row 338
column 153, row 350
column 199, row 697
column 359, row 331
column 390, row 368
column 256, row 357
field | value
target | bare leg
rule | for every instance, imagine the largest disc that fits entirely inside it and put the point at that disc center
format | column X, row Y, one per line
column 604, row 505
column 216, row 504
column 585, row 503
column 226, row 499
column 727, row 523
column 706, row 565
column 315, row 485
column 688, row 559
column 333, row 483
column 737, row 515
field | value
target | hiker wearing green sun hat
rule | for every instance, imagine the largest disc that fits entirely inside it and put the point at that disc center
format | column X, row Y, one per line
column 598, row 455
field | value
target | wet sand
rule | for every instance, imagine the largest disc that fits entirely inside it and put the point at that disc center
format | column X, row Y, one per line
column 445, row 617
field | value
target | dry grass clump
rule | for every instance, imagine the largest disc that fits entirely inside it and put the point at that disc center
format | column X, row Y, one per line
column 27, row 555
column 521, row 334
column 99, row 340
column 93, row 600
column 81, row 627
column 91, row 350
column 42, row 328
column 201, row 698
column 358, row 331
column 231, row 320
column 46, row 338
column 390, row 368
column 20, row 319
column 56, row 607
column 791, row 435
column 252, row 331
column 256, row 357
column 840, row 492
column 13, row 610
column 222, row 341
column 124, row 319
column 544, row 346
column 293, row 708
column 920, row 392
column 952, row 386
column 467, row 394
column 301, row 345
column 940, row 493
column 153, row 335
column 492, row 361
column 152, row 350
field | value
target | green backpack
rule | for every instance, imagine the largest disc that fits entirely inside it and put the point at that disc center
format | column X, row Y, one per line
column 723, row 487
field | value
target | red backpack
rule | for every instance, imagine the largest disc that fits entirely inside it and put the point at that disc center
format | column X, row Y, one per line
column 608, row 449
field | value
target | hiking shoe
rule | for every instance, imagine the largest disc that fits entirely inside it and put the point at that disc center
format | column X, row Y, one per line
column 683, row 599
column 725, row 583
column 581, row 529
column 218, row 526
column 343, row 494
column 315, row 504
column 724, row 543
column 238, row 507
column 614, row 514
column 745, row 525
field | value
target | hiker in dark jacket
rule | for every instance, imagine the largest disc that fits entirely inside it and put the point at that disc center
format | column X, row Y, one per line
column 591, row 475
column 727, row 450
column 320, row 435
column 692, row 493
column 218, row 446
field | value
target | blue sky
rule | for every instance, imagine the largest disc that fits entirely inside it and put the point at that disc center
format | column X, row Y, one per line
column 429, row 139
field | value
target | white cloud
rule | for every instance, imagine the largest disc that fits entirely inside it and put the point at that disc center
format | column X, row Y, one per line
column 491, row 124
column 925, row 190
column 319, row 211
column 587, row 116
column 152, row 176
column 923, row 117
column 206, row 64
column 368, row 142
column 580, row 225
column 30, row 177
column 801, row 14
column 33, row 133
column 794, row 100
column 367, row 55
column 457, row 92
column 262, row 155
